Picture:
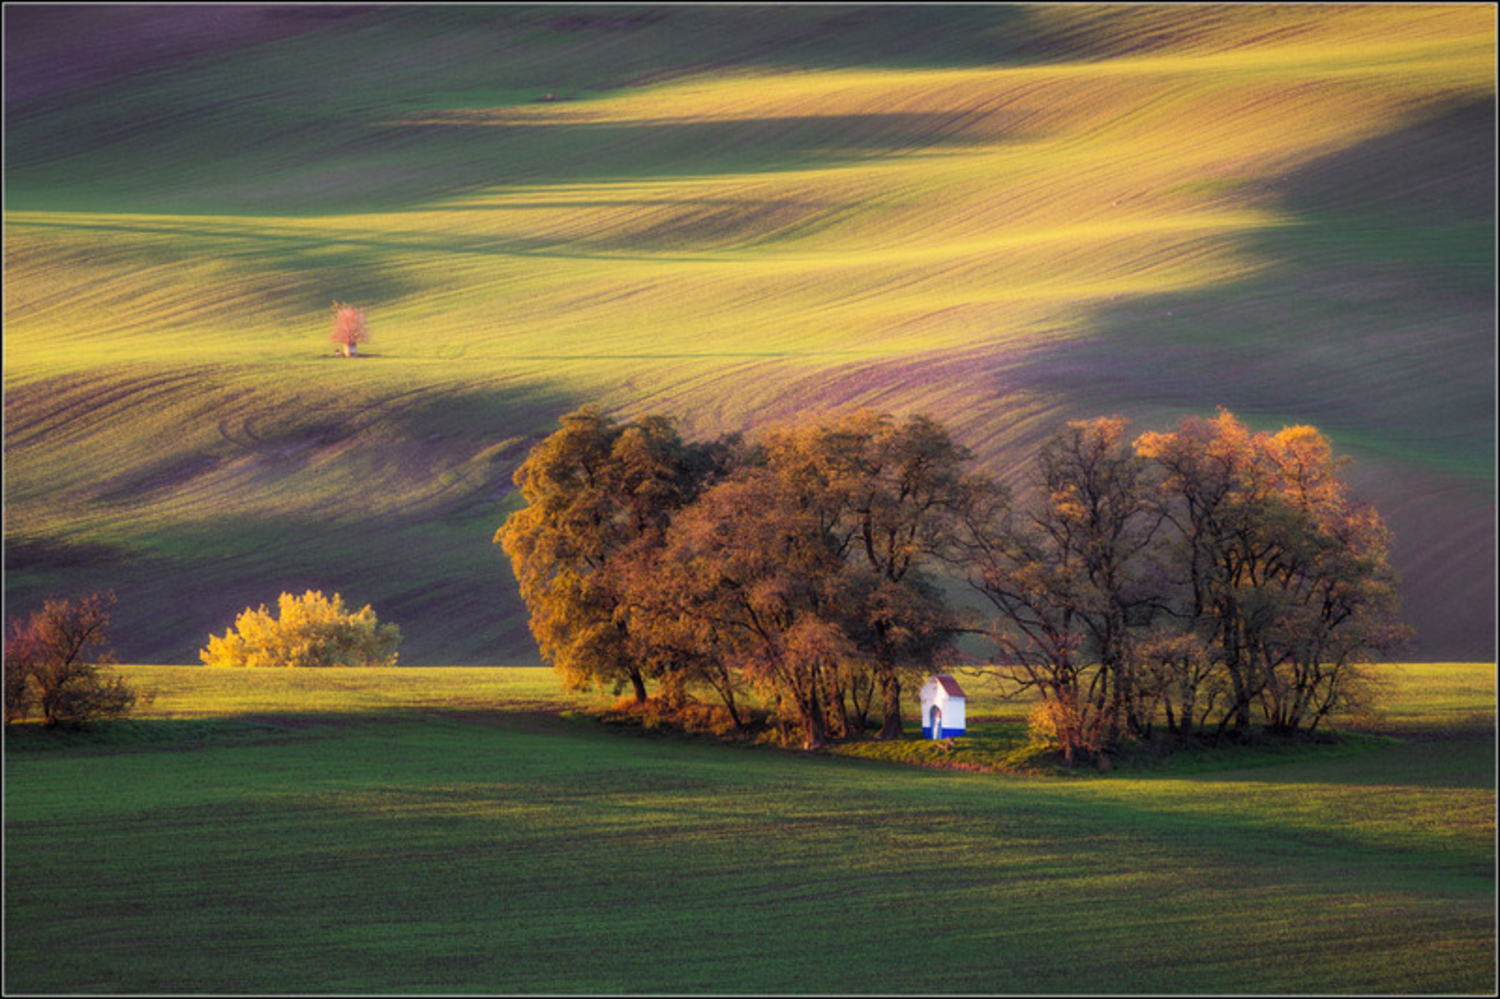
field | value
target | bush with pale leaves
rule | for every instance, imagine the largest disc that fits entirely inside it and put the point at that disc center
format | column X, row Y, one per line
column 311, row 631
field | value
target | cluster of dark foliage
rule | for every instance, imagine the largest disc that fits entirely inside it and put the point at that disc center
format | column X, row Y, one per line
column 55, row 665
column 1202, row 580
column 794, row 565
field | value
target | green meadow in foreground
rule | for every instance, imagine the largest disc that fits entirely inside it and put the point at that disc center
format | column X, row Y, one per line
column 448, row 830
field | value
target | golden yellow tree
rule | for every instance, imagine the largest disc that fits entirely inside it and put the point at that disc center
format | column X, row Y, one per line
column 310, row 631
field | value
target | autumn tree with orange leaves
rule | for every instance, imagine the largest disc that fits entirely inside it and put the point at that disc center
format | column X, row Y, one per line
column 599, row 496
column 885, row 490
column 754, row 577
column 808, row 574
column 800, row 566
column 1281, row 572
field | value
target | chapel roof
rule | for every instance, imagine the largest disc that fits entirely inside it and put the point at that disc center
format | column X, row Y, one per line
column 950, row 686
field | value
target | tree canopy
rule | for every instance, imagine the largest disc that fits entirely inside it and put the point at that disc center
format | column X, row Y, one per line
column 55, row 660
column 1197, row 575
column 599, row 495
column 797, row 565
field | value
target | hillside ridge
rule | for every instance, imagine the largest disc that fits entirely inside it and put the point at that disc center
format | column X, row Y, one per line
column 1005, row 217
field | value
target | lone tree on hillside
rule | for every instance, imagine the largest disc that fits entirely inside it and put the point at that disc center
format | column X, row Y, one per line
column 349, row 328
column 54, row 661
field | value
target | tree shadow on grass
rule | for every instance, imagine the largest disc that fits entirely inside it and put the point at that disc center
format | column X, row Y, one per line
column 30, row 739
column 125, row 735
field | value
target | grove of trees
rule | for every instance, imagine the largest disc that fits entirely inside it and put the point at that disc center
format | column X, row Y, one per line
column 1191, row 582
column 1197, row 579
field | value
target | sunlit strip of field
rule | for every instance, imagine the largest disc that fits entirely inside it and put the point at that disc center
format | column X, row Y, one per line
column 200, row 692
column 1410, row 698
column 1037, row 183
column 1435, row 696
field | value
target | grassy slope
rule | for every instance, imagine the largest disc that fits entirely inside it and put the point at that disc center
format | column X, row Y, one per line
column 1005, row 216
column 430, row 830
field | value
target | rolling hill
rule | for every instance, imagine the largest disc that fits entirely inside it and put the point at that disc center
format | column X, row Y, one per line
column 1004, row 216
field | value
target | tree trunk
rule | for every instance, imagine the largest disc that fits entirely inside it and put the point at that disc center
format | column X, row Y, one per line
column 814, row 732
column 638, row 684
column 727, row 696
column 890, row 690
column 1242, row 713
column 838, row 715
column 1237, row 665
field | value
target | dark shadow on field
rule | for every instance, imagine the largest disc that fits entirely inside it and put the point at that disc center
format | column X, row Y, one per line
column 426, row 562
column 391, row 164
column 1374, row 321
column 156, row 142
column 1461, row 757
column 1375, row 314
column 52, row 50
column 448, row 587
column 133, row 735
column 144, row 735
column 56, row 48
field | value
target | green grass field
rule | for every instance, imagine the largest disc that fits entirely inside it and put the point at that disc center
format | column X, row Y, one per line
column 1004, row 216
column 447, row 830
